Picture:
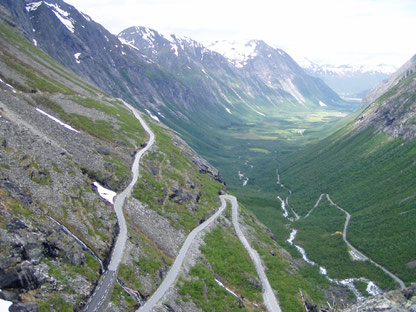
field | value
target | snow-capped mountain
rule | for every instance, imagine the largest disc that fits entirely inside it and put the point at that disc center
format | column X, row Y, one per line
column 237, row 53
column 276, row 69
column 189, row 86
column 346, row 69
column 348, row 80
column 158, row 47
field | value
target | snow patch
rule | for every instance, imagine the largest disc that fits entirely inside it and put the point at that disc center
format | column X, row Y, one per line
column 346, row 70
column 35, row 43
column 228, row 110
column 128, row 43
column 237, row 53
column 57, row 120
column 86, row 17
column 147, row 34
column 9, row 86
column 174, row 47
column 152, row 116
column 290, row 88
column 227, row 289
column 168, row 37
column 77, row 55
column 108, row 195
column 33, row 6
column 5, row 305
column 63, row 16
column 322, row 104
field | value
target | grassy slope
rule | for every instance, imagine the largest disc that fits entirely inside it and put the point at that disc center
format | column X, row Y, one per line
column 372, row 177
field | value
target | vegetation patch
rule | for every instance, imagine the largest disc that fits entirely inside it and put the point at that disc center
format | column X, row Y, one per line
column 371, row 177
column 173, row 186
column 259, row 150
column 205, row 293
column 229, row 260
column 288, row 280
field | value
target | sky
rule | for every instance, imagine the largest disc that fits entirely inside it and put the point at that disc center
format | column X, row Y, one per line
column 356, row 32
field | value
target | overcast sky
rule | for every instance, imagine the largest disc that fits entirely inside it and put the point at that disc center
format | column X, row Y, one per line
column 359, row 32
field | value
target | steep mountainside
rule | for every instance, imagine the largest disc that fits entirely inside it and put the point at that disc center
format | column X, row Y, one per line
column 60, row 135
column 349, row 81
column 368, row 169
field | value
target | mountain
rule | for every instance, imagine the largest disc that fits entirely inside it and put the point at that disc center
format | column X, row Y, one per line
column 276, row 69
column 165, row 74
column 58, row 227
column 402, row 73
column 347, row 80
column 266, row 71
column 367, row 169
column 231, row 112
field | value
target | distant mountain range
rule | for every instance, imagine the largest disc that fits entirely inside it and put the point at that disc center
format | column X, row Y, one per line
column 347, row 80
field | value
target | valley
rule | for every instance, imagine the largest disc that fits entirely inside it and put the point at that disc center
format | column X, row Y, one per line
column 259, row 189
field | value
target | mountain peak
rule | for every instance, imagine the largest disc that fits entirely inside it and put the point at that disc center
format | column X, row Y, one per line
column 237, row 53
column 240, row 53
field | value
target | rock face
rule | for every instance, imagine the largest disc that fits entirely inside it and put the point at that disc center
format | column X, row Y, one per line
column 395, row 301
column 393, row 112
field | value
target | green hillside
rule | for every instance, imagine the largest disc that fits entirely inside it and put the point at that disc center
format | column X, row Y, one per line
column 369, row 173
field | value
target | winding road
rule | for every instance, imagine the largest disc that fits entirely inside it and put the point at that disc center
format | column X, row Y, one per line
column 107, row 280
column 175, row 268
column 354, row 250
column 344, row 237
column 268, row 295
column 269, row 298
